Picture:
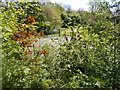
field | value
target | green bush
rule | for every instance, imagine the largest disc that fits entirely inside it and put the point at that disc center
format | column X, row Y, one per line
column 87, row 58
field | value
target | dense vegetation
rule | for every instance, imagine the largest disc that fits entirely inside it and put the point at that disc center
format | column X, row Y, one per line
column 86, row 54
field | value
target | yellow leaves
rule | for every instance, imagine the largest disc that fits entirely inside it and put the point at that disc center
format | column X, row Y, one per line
column 4, row 35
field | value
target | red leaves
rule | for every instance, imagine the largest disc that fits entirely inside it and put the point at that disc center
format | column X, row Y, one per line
column 36, row 40
column 24, row 35
column 24, row 59
column 44, row 52
column 30, row 19
column 42, row 34
column 21, row 35
column 12, row 28
column 29, row 52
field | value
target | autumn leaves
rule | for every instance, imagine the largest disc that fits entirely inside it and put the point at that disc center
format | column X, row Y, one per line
column 30, row 19
column 26, row 37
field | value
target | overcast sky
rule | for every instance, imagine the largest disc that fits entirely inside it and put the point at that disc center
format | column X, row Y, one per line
column 76, row 4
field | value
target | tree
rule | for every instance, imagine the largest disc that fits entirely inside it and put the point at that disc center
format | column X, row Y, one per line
column 52, row 14
column 100, row 7
column 69, row 10
column 80, row 10
column 59, row 7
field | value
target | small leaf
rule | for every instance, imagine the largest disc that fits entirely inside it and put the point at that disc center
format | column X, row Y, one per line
column 26, row 71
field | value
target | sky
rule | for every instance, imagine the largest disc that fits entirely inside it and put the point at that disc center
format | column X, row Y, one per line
column 76, row 4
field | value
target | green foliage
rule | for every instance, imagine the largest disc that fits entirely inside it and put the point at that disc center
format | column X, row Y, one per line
column 86, row 58
column 86, row 61
column 70, row 19
column 52, row 14
column 17, row 73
